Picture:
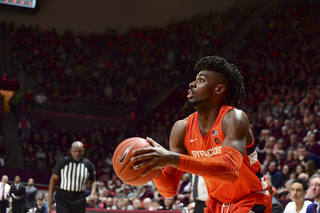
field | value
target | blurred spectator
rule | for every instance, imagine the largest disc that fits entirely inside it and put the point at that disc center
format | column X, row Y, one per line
column 5, row 195
column 28, row 99
column 269, row 157
column 184, row 189
column 305, row 155
column 155, row 205
column 40, row 206
column 275, row 173
column 45, row 199
column 41, row 101
column 24, row 127
column 15, row 101
column 304, row 176
column 281, row 158
column 286, row 171
column 136, row 203
column 276, row 205
column 311, row 168
column 269, row 179
column 147, row 203
column 18, row 194
column 110, row 203
column 315, row 194
column 31, row 192
column 300, row 168
column 44, row 126
column 168, row 203
column 298, row 191
column 312, row 142
column 294, row 143
column 191, row 207
column 146, row 191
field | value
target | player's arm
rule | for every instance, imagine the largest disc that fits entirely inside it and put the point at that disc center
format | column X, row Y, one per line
column 52, row 186
column 168, row 179
column 225, row 167
column 222, row 168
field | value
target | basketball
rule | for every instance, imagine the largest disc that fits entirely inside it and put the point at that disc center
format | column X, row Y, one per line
column 122, row 165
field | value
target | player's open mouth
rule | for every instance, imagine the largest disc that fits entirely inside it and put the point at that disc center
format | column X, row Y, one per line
column 190, row 94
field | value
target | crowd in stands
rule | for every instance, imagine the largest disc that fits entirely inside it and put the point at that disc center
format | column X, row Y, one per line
column 280, row 63
column 73, row 71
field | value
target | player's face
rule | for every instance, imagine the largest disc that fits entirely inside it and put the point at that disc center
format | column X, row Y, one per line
column 201, row 90
column 77, row 153
column 315, row 188
column 297, row 192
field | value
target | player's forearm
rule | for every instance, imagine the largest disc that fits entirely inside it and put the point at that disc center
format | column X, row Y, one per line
column 223, row 168
column 167, row 181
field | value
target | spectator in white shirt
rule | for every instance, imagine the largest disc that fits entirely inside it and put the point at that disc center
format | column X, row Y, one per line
column 298, row 191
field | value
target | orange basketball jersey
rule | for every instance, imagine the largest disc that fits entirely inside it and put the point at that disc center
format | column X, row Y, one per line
column 250, row 177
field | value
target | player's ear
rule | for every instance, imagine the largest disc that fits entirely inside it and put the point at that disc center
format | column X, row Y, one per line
column 220, row 89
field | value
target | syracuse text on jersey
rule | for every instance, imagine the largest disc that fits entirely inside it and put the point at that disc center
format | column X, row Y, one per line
column 207, row 153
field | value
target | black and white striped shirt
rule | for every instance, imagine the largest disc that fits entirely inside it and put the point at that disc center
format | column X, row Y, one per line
column 74, row 175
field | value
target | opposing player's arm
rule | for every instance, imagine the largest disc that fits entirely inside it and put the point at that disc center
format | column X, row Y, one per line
column 225, row 167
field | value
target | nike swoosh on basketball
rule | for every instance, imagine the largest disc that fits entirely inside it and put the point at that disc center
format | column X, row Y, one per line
column 192, row 140
column 125, row 154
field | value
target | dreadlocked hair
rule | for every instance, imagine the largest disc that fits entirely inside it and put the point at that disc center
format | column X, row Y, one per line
column 235, row 80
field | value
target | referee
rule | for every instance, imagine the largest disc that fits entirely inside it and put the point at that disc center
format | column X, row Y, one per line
column 74, row 172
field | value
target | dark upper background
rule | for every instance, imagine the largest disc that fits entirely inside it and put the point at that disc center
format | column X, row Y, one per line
column 94, row 16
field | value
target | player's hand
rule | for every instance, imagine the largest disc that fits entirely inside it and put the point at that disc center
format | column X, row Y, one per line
column 51, row 203
column 155, row 157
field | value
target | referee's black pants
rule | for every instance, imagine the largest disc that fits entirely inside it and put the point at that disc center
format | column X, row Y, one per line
column 64, row 207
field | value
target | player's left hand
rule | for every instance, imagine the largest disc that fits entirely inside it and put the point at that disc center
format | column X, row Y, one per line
column 155, row 157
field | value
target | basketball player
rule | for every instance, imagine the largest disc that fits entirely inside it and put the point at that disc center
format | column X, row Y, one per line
column 215, row 142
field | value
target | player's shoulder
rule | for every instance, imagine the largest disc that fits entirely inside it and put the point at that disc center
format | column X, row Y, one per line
column 181, row 124
column 237, row 119
column 236, row 115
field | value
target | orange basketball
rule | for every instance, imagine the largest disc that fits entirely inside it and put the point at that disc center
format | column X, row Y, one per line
column 122, row 165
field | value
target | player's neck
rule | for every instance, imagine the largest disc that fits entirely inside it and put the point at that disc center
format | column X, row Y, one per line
column 206, row 119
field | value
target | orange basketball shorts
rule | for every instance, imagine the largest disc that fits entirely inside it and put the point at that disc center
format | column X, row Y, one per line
column 256, row 202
